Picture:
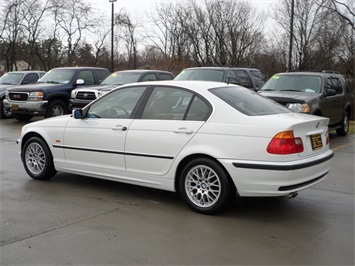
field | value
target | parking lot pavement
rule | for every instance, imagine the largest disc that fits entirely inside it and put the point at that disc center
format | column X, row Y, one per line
column 75, row 220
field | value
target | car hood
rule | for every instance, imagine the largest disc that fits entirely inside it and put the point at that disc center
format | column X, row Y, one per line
column 290, row 97
column 35, row 87
column 57, row 121
column 4, row 87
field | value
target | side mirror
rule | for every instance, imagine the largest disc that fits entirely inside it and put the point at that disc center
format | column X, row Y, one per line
column 330, row 92
column 78, row 113
column 80, row 82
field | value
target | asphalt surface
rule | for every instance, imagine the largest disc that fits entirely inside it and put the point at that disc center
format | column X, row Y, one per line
column 75, row 220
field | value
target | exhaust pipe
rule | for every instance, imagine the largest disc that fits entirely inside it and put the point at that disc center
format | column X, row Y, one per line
column 292, row 195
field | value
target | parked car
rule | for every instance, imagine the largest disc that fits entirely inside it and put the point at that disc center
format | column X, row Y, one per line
column 319, row 93
column 82, row 96
column 14, row 78
column 208, row 141
column 250, row 78
column 50, row 96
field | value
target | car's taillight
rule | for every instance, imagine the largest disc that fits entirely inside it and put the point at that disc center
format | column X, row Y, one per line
column 327, row 137
column 285, row 143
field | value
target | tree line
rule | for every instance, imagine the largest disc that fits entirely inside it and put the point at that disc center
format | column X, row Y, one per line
column 53, row 33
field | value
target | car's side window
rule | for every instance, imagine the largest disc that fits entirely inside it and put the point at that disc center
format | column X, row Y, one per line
column 231, row 77
column 243, row 79
column 87, row 76
column 118, row 104
column 163, row 76
column 198, row 111
column 149, row 77
column 167, row 104
column 328, row 84
column 337, row 85
column 30, row 78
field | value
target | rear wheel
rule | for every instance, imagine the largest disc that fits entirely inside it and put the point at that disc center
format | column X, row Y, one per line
column 343, row 130
column 21, row 117
column 205, row 186
column 56, row 108
column 37, row 159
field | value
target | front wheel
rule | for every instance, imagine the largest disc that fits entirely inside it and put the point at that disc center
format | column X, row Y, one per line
column 343, row 130
column 56, row 108
column 37, row 159
column 4, row 114
column 205, row 186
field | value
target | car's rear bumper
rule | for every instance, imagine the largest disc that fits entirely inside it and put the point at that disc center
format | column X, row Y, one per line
column 277, row 179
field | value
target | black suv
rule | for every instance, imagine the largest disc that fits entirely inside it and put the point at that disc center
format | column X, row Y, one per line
column 250, row 78
column 319, row 93
column 84, row 95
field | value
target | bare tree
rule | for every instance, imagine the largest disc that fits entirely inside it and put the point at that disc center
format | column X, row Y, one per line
column 73, row 18
column 127, row 33
column 33, row 13
column 12, row 32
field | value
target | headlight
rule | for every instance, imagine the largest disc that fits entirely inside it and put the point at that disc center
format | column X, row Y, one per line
column 73, row 93
column 299, row 107
column 35, row 96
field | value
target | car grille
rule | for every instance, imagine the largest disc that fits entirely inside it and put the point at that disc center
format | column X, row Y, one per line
column 18, row 96
column 85, row 95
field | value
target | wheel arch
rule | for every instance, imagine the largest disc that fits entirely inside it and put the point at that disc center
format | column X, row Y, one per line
column 191, row 157
column 29, row 135
column 317, row 112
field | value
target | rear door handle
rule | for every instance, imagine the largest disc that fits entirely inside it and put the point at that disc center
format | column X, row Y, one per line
column 119, row 127
column 183, row 130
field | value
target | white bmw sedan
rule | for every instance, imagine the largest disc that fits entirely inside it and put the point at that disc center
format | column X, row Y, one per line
column 207, row 141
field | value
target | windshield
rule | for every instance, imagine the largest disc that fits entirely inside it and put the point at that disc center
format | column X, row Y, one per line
column 295, row 83
column 121, row 78
column 200, row 74
column 11, row 78
column 249, row 102
column 56, row 76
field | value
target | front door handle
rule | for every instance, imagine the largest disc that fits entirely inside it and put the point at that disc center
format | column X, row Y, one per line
column 183, row 130
column 119, row 127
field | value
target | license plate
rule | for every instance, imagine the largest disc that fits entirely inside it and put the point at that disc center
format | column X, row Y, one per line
column 316, row 141
column 15, row 107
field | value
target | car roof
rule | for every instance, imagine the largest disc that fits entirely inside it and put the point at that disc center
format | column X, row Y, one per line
column 26, row 71
column 195, row 85
column 309, row 73
column 224, row 68
column 143, row 71
column 79, row 68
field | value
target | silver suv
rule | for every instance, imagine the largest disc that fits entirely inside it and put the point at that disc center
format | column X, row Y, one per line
column 13, row 78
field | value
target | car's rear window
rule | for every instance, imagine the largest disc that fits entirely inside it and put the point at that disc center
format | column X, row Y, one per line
column 248, row 102
column 201, row 74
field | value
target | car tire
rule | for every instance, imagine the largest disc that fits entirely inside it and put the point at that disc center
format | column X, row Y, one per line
column 21, row 117
column 205, row 186
column 343, row 130
column 4, row 114
column 37, row 159
column 56, row 108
